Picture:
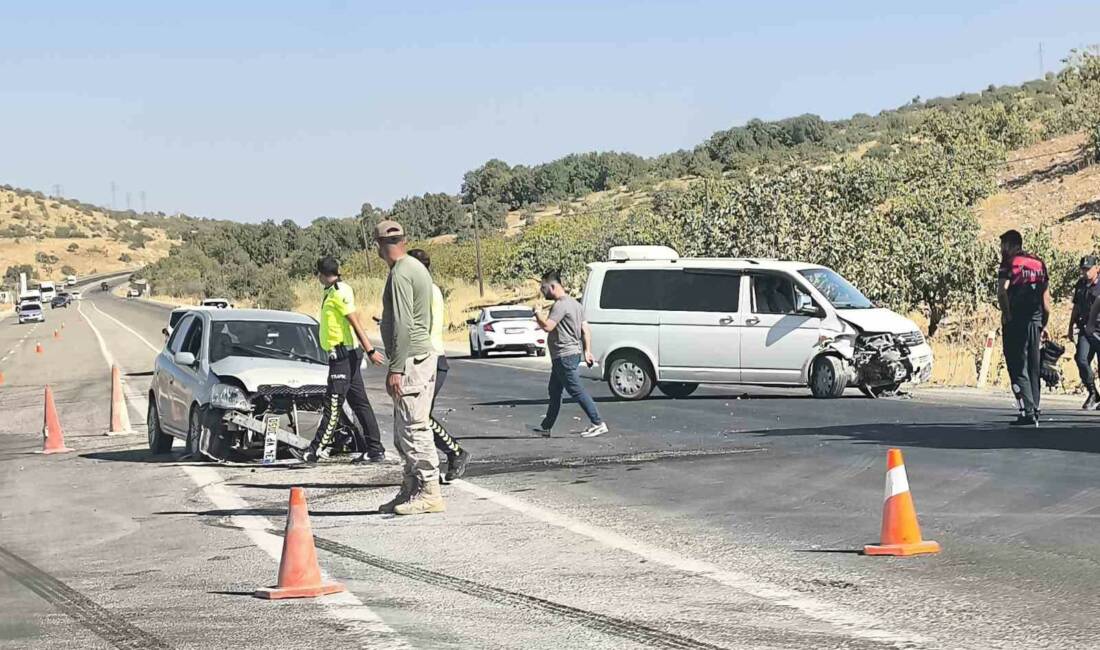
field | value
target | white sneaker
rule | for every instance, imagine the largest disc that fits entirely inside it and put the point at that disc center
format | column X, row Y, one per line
column 595, row 430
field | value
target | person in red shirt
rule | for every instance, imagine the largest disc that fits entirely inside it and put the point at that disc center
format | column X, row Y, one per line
column 1023, row 293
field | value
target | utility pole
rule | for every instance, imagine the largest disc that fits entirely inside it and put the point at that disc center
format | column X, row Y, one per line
column 56, row 191
column 366, row 245
column 1042, row 68
column 142, row 195
column 127, row 201
column 113, row 189
column 477, row 252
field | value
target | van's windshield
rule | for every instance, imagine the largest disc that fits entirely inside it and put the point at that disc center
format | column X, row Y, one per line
column 839, row 291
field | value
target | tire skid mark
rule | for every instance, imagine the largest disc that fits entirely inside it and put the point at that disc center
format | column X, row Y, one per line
column 610, row 625
column 100, row 621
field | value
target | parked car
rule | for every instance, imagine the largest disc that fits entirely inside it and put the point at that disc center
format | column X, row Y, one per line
column 60, row 300
column 506, row 328
column 216, row 303
column 226, row 375
column 133, row 293
column 31, row 312
column 76, row 295
column 661, row 321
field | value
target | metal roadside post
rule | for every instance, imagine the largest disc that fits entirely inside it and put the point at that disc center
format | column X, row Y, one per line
column 987, row 356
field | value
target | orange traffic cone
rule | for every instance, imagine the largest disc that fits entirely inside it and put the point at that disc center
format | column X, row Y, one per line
column 900, row 531
column 38, row 348
column 51, row 428
column 56, row 334
column 1, row 378
column 299, row 572
column 120, row 420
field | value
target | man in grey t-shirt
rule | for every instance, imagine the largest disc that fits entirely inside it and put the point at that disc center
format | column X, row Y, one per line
column 569, row 338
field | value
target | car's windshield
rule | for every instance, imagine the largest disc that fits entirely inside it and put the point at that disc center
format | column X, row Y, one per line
column 839, row 291
column 30, row 308
column 519, row 312
column 265, row 340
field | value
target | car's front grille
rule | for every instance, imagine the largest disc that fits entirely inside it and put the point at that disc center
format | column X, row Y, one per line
column 911, row 339
column 277, row 390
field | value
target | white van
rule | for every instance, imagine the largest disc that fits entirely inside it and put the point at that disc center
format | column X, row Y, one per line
column 661, row 321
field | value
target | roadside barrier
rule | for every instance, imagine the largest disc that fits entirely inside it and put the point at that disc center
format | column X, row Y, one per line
column 299, row 572
column 987, row 356
column 900, row 530
column 51, row 428
column 120, row 419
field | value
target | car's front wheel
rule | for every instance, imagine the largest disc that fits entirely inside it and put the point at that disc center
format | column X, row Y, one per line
column 630, row 377
column 828, row 378
column 194, row 433
column 159, row 441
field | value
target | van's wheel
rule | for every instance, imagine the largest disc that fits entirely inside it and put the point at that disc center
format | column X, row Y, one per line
column 630, row 377
column 159, row 441
column 677, row 389
column 828, row 378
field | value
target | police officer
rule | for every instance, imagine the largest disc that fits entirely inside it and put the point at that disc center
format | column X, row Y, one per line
column 341, row 334
column 1085, row 293
column 1024, row 297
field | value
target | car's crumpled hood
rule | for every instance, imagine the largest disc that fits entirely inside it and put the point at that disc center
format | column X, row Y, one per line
column 254, row 373
column 878, row 320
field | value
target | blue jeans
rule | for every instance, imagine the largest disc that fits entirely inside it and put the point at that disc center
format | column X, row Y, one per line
column 564, row 375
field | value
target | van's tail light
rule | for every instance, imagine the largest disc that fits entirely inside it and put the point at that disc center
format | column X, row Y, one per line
column 488, row 327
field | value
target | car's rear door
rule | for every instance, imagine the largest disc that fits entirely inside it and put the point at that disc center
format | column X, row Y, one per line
column 700, row 328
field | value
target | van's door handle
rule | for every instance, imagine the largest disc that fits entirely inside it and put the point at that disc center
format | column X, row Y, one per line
column 726, row 320
column 752, row 320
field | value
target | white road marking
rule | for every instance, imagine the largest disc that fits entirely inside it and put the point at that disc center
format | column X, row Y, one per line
column 500, row 364
column 854, row 624
column 126, row 327
column 345, row 607
column 110, row 362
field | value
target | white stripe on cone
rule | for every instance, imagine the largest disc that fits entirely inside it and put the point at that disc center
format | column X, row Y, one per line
column 896, row 482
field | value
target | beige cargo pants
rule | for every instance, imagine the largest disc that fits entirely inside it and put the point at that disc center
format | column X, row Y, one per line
column 412, row 433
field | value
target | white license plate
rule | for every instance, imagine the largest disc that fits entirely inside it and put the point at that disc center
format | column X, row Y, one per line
column 514, row 330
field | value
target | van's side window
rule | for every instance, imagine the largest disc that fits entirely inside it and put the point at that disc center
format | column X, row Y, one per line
column 775, row 294
column 639, row 289
column 695, row 291
column 680, row 290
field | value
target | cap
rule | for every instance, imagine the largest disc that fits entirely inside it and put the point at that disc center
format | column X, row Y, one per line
column 388, row 228
column 1089, row 261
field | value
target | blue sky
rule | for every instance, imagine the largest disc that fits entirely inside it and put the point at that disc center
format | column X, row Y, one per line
column 253, row 110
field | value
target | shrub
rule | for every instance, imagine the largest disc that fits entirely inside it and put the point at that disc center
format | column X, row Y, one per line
column 125, row 258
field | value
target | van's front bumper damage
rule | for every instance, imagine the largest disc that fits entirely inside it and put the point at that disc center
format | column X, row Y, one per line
column 880, row 360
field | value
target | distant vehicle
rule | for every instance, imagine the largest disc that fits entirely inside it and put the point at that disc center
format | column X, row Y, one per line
column 216, row 303
column 103, row 286
column 60, row 300
column 70, row 280
column 225, row 375
column 506, row 328
column 76, row 295
column 48, row 290
column 662, row 321
column 133, row 293
column 31, row 295
column 31, row 312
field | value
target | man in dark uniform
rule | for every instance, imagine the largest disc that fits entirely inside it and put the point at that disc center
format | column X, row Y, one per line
column 1023, row 293
column 340, row 336
column 1085, row 293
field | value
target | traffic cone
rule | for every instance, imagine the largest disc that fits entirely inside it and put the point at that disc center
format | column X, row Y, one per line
column 299, row 572
column 1, row 378
column 56, row 334
column 120, row 420
column 900, row 531
column 38, row 348
column 51, row 428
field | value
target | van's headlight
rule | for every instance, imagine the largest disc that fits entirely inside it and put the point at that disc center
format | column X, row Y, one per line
column 227, row 396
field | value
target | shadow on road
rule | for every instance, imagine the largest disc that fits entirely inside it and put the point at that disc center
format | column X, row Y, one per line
column 314, row 486
column 606, row 399
column 132, row 456
column 1066, row 433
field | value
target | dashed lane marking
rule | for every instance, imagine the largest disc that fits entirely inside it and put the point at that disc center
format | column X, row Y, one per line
column 854, row 624
column 345, row 607
column 104, row 623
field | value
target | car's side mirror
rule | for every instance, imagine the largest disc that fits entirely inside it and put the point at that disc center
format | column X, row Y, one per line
column 165, row 332
column 471, row 321
column 184, row 359
column 806, row 307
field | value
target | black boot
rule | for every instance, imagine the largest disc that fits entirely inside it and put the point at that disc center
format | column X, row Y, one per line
column 456, row 464
column 1093, row 399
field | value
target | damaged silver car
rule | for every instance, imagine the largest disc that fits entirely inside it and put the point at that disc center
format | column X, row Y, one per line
column 239, row 385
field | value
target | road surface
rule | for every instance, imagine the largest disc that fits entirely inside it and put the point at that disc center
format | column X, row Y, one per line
column 732, row 519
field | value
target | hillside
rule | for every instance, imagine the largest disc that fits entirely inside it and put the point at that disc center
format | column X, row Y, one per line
column 1049, row 185
column 50, row 234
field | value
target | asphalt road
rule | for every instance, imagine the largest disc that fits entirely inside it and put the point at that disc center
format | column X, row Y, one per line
column 732, row 519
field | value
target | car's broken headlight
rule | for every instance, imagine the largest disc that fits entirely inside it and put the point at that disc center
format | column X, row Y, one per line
column 227, row 396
